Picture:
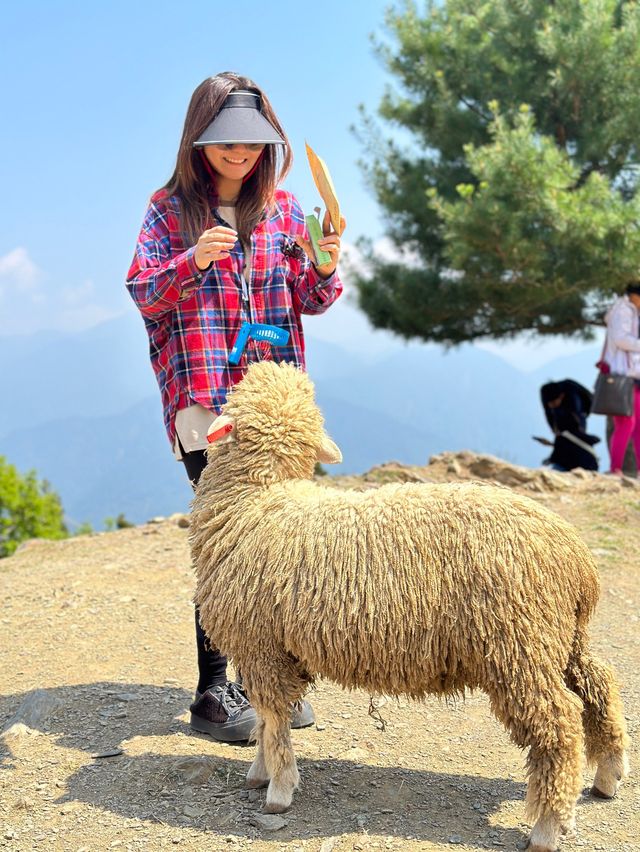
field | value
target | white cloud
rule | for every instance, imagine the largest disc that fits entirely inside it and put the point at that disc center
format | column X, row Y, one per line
column 18, row 271
column 74, row 296
column 32, row 301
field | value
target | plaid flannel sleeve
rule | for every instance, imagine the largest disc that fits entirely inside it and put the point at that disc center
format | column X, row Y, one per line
column 312, row 294
column 156, row 280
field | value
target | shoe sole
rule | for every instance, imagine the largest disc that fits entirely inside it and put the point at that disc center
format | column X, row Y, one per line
column 224, row 732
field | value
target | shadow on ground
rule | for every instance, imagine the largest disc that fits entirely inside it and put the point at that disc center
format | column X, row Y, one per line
column 336, row 795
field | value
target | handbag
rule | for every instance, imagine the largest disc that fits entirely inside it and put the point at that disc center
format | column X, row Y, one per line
column 613, row 395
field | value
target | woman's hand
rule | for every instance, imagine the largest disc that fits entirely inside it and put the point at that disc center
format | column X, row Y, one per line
column 214, row 244
column 330, row 242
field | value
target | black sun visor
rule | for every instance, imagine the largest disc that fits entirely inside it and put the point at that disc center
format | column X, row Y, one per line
column 240, row 120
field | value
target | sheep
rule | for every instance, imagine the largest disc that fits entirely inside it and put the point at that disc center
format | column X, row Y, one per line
column 409, row 589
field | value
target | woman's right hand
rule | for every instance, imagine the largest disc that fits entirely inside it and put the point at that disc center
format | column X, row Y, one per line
column 214, row 244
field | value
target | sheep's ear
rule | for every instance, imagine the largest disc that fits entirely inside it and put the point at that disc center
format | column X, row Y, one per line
column 222, row 430
column 328, row 452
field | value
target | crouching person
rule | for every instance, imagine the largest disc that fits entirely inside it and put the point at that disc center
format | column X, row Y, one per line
column 221, row 244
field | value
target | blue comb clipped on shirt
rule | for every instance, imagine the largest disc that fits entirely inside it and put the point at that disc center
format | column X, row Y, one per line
column 256, row 331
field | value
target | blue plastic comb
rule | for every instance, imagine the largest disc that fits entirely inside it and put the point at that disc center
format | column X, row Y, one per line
column 257, row 331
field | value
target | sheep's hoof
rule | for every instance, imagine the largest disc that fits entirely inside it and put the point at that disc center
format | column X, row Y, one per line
column 256, row 783
column 275, row 808
column 600, row 794
column 545, row 834
column 279, row 798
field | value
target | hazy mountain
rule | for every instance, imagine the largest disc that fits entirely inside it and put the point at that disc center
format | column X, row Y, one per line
column 50, row 375
column 102, row 466
column 84, row 411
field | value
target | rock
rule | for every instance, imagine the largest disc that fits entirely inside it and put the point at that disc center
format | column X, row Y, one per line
column 36, row 709
column 18, row 730
column 329, row 844
column 268, row 822
column 194, row 770
column 192, row 811
column 111, row 752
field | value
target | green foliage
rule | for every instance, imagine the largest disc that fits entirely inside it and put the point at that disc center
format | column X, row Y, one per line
column 28, row 509
column 514, row 205
column 118, row 523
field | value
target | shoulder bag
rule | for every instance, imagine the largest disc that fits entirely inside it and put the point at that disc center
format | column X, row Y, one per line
column 613, row 393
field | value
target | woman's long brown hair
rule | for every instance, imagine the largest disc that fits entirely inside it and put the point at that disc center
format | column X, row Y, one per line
column 191, row 178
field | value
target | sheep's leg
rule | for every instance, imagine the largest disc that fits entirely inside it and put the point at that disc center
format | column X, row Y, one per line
column 274, row 683
column 603, row 719
column 258, row 775
column 279, row 760
column 545, row 716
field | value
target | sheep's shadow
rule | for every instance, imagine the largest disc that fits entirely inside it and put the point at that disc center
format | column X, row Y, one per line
column 336, row 796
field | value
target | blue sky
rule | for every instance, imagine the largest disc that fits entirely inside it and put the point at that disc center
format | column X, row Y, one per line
column 97, row 93
column 94, row 97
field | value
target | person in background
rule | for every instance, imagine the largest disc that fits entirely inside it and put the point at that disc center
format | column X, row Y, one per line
column 566, row 406
column 622, row 355
column 222, row 244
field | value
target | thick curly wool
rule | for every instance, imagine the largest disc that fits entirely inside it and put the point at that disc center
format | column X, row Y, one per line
column 407, row 589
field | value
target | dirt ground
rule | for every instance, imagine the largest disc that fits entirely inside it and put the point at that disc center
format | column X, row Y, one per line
column 97, row 668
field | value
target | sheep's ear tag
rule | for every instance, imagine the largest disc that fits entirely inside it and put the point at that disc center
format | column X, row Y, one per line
column 221, row 430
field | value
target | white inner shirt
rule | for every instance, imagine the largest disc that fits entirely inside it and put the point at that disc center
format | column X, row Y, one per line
column 192, row 423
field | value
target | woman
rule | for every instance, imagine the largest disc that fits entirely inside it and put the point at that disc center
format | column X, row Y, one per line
column 222, row 245
column 622, row 355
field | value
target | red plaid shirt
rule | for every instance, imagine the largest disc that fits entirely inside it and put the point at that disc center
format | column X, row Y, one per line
column 193, row 317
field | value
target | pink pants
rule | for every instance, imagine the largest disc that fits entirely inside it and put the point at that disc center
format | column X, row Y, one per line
column 623, row 429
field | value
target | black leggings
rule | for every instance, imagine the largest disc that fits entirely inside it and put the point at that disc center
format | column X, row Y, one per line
column 212, row 666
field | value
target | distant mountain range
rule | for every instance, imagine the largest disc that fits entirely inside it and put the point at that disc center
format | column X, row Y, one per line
column 83, row 410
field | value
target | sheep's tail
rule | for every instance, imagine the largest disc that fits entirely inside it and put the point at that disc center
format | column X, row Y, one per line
column 595, row 684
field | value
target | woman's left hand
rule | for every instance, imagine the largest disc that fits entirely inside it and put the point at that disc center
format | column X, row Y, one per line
column 330, row 243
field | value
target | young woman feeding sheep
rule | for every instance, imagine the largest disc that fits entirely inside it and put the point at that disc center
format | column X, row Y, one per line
column 223, row 247
column 408, row 589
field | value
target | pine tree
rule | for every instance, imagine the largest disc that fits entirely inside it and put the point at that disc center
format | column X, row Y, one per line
column 513, row 206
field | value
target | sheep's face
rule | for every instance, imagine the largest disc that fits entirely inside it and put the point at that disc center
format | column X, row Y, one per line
column 271, row 429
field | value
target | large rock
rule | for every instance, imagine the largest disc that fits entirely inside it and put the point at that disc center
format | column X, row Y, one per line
column 35, row 711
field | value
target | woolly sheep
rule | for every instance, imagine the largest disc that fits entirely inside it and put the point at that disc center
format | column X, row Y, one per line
column 407, row 589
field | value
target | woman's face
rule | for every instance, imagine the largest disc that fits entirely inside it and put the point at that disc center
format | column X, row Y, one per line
column 233, row 162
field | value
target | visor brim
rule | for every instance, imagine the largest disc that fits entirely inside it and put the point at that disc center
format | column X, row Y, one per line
column 237, row 125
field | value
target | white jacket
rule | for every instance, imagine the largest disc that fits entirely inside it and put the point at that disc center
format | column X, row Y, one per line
column 622, row 350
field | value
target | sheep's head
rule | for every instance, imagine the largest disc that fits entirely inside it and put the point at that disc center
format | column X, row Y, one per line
column 271, row 428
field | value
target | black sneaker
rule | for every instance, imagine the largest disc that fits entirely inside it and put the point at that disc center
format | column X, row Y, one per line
column 224, row 713
column 302, row 715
